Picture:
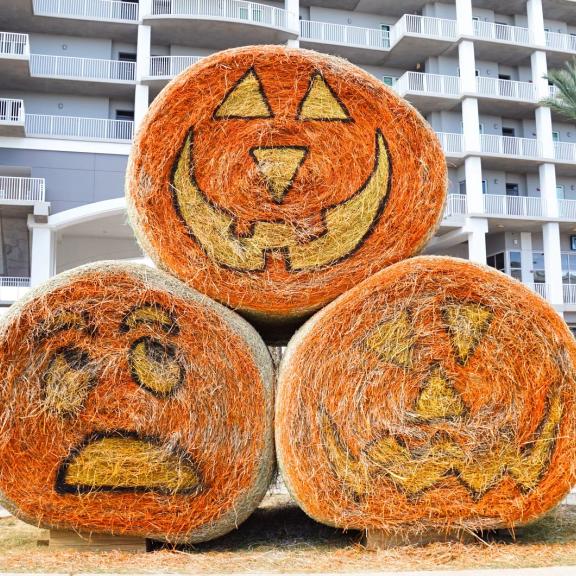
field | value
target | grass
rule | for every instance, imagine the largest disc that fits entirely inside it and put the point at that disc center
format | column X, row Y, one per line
column 280, row 538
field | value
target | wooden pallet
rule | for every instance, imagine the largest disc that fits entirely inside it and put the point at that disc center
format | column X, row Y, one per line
column 380, row 540
column 90, row 542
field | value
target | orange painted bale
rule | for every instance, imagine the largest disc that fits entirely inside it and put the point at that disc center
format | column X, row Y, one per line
column 274, row 179
column 132, row 405
column 437, row 394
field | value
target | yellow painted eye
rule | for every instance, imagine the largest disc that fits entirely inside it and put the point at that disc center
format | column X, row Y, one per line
column 155, row 367
column 149, row 315
column 321, row 103
column 67, row 381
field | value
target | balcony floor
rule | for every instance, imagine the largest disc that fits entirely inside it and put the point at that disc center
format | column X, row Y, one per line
column 504, row 53
column 495, row 106
column 13, row 130
column 356, row 54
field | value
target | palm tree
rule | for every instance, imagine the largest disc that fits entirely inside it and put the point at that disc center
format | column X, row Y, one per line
column 565, row 81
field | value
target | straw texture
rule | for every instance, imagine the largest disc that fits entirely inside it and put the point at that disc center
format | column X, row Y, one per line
column 131, row 404
column 274, row 179
column 437, row 394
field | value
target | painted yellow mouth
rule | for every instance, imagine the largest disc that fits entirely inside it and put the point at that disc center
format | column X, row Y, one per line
column 123, row 462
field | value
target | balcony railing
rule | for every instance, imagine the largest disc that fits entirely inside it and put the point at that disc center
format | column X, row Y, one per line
column 563, row 42
column 428, row 84
column 452, row 143
column 510, row 89
column 48, row 66
column 567, row 209
column 456, row 205
column 539, row 288
column 501, row 32
column 513, row 205
column 13, row 44
column 76, row 128
column 11, row 111
column 234, row 10
column 344, row 35
column 169, row 66
column 427, row 26
column 565, row 151
column 510, row 146
column 89, row 10
column 22, row 189
column 14, row 282
column 569, row 292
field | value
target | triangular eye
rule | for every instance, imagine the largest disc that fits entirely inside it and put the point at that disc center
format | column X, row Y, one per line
column 321, row 103
column 246, row 99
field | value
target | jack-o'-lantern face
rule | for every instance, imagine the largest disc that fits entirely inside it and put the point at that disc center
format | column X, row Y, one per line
column 125, row 416
column 274, row 179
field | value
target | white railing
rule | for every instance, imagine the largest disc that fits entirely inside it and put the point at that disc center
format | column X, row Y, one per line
column 424, row 26
column 76, row 128
column 554, row 91
column 501, row 32
column 563, row 42
column 452, row 143
column 11, row 111
column 569, row 291
column 567, row 210
column 235, row 10
column 170, row 66
column 512, row 89
column 510, row 146
column 22, row 189
column 565, row 151
column 13, row 44
column 539, row 288
column 14, row 282
column 45, row 65
column 92, row 9
column 428, row 84
column 456, row 205
column 513, row 205
column 345, row 35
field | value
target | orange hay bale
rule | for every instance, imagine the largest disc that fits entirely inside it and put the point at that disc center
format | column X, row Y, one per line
column 437, row 394
column 274, row 179
column 130, row 404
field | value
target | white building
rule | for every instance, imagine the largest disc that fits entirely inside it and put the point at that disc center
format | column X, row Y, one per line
column 78, row 76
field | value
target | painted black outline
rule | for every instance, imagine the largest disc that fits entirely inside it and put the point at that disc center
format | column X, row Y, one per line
column 62, row 487
column 304, row 149
column 250, row 70
column 87, row 327
column 77, row 359
column 173, row 329
column 170, row 350
column 318, row 74
column 284, row 251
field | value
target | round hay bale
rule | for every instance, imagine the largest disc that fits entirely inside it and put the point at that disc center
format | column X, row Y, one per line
column 131, row 404
column 436, row 395
column 274, row 179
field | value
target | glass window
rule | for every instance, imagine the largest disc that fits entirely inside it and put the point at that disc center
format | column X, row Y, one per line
column 516, row 274
column 388, row 80
column 560, row 192
column 484, row 187
column 538, row 260
column 539, row 276
column 565, row 261
column 500, row 264
column 515, row 260
column 462, row 186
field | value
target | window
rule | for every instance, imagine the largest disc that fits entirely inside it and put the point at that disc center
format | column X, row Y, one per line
column 516, row 264
column 560, row 192
column 538, row 267
column 389, row 80
column 385, row 35
column 496, row 261
column 556, row 136
column 568, row 268
column 484, row 187
column 462, row 187
column 508, row 131
column 512, row 189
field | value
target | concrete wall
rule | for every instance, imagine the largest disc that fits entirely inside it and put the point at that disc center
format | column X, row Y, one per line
column 62, row 104
column 15, row 246
column 346, row 17
column 70, row 46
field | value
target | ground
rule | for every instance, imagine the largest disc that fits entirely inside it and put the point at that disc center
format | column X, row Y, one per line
column 280, row 538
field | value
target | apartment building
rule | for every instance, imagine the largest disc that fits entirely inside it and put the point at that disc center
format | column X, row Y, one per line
column 79, row 75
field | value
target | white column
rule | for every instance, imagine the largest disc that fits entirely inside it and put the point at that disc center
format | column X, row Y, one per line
column 526, row 250
column 141, row 103
column 547, row 176
column 467, row 65
column 539, row 66
column 42, row 260
column 464, row 17
column 145, row 8
column 293, row 9
column 535, row 16
column 473, row 175
column 471, row 124
column 142, row 92
column 477, row 229
column 553, row 261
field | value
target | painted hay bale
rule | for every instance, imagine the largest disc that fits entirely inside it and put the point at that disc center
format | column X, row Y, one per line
column 132, row 405
column 437, row 394
column 274, row 179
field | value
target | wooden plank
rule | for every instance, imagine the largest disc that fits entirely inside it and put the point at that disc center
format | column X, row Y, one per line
column 381, row 540
column 90, row 542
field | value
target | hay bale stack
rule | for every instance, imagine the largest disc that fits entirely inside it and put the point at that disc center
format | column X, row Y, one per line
column 437, row 394
column 274, row 179
column 130, row 404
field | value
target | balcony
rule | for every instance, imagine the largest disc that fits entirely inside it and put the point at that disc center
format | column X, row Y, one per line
column 11, row 117
column 565, row 152
column 567, row 210
column 166, row 67
column 105, row 10
column 362, row 45
column 77, row 128
column 515, row 206
column 561, row 42
column 14, row 55
column 505, row 97
column 22, row 191
column 456, row 205
column 526, row 148
column 220, row 23
column 452, row 143
column 429, row 92
column 13, row 287
column 569, row 293
column 540, row 288
column 500, row 42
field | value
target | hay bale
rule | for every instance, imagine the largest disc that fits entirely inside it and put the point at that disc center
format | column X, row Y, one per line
column 130, row 404
column 274, row 179
column 437, row 394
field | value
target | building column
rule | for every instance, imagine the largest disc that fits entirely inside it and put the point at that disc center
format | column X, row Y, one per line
column 474, row 193
column 526, row 251
column 293, row 9
column 553, row 262
column 464, row 17
column 535, row 16
column 477, row 229
column 42, row 259
column 467, row 65
column 142, row 92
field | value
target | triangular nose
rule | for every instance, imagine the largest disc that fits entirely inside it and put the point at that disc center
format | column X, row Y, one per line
column 279, row 166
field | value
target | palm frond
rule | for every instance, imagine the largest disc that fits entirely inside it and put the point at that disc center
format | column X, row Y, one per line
column 565, row 81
